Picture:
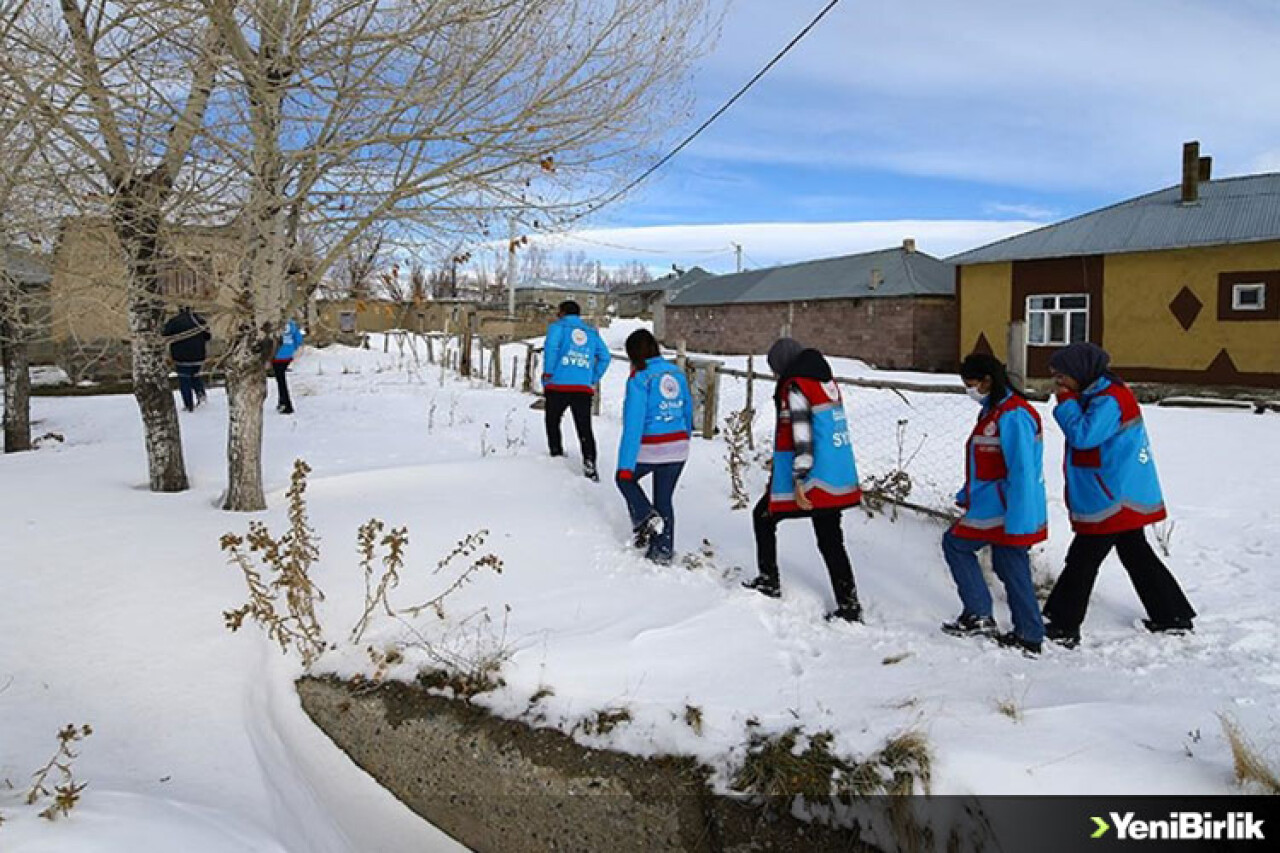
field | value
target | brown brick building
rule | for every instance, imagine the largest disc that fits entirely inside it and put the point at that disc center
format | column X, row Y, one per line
column 893, row 308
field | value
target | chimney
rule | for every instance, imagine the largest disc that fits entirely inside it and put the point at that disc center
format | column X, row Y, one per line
column 1191, row 172
column 1206, row 169
column 908, row 244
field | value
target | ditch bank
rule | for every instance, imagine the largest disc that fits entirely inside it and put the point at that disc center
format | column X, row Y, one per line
column 501, row 785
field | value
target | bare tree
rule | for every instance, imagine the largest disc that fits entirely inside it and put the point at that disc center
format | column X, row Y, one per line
column 355, row 271
column 121, row 91
column 437, row 114
column 575, row 268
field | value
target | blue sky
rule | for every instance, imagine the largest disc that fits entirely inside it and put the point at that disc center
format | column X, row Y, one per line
column 967, row 120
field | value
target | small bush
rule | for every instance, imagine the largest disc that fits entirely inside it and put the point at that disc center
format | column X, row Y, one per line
column 693, row 718
column 66, row 792
column 604, row 721
column 1250, row 765
column 737, row 437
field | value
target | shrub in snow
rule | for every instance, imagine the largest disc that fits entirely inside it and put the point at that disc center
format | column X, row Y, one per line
column 284, row 603
column 1252, row 768
column 66, row 792
column 737, row 439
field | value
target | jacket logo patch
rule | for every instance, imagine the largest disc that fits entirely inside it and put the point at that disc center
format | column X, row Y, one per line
column 989, row 429
column 579, row 337
column 669, row 386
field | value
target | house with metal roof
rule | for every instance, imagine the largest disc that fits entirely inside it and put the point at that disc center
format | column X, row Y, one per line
column 1179, row 285
column 893, row 308
column 638, row 300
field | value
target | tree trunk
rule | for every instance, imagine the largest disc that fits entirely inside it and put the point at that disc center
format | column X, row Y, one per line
column 137, row 225
column 17, row 378
column 246, row 391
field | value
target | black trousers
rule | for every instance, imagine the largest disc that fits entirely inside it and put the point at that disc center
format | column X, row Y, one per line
column 826, row 527
column 1156, row 587
column 579, row 403
column 281, row 370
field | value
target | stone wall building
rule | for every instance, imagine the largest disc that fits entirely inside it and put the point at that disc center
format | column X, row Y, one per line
column 893, row 308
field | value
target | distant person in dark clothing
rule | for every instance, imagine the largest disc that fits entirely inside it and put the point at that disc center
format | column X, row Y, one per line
column 1113, row 493
column 814, row 475
column 290, row 341
column 188, row 336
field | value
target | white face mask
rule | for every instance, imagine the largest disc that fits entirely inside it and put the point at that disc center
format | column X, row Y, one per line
column 976, row 396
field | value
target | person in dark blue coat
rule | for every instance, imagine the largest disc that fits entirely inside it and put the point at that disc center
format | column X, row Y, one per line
column 1004, row 508
column 188, row 336
column 574, row 358
column 657, row 421
column 1113, row 493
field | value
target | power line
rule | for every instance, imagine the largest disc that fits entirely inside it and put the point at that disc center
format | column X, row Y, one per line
column 692, row 136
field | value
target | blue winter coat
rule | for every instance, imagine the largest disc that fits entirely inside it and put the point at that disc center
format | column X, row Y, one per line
column 658, row 409
column 1003, row 495
column 1112, row 485
column 574, row 356
column 289, row 342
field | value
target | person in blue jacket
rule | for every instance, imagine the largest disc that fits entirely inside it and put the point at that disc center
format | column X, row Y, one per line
column 1004, row 508
column 1113, row 493
column 574, row 359
column 657, row 421
column 813, row 474
column 290, row 341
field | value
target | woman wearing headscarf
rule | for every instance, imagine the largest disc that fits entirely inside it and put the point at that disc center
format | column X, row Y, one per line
column 657, row 420
column 814, row 473
column 1113, row 492
column 1004, row 508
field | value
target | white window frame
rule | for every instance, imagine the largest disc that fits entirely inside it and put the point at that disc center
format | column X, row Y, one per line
column 1046, row 339
column 1243, row 287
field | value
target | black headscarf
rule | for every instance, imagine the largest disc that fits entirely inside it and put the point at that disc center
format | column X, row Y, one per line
column 782, row 353
column 1084, row 362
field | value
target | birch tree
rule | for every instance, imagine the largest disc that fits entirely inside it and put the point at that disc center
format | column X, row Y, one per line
column 120, row 91
column 438, row 115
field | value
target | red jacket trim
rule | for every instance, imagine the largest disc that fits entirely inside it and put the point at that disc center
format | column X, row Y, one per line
column 664, row 439
column 572, row 389
column 998, row 536
column 1122, row 522
column 819, row 499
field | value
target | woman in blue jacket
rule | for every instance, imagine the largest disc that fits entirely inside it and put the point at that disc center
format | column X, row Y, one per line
column 290, row 341
column 1004, row 508
column 657, row 420
column 1113, row 492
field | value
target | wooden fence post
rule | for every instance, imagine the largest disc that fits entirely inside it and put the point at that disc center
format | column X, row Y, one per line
column 710, row 400
column 751, row 396
column 528, row 369
column 515, row 369
column 497, row 363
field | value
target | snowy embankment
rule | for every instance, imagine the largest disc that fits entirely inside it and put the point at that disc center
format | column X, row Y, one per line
column 112, row 600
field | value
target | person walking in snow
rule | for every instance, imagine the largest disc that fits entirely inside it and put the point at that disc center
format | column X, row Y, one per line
column 814, row 473
column 290, row 341
column 1113, row 493
column 1004, row 508
column 188, row 336
column 574, row 359
column 657, row 420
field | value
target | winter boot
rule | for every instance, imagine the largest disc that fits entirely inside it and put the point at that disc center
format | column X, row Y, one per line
column 647, row 529
column 1068, row 639
column 1011, row 640
column 968, row 625
column 765, row 585
column 1179, row 625
column 847, row 612
column 589, row 470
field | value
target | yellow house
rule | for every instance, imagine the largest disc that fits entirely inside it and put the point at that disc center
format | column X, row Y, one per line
column 1180, row 285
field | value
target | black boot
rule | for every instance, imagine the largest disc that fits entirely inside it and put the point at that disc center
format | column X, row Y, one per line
column 765, row 585
column 851, row 612
column 1011, row 640
column 1064, row 637
column 968, row 625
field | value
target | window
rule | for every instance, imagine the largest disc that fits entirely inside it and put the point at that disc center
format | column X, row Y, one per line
column 1057, row 320
column 347, row 321
column 1251, row 296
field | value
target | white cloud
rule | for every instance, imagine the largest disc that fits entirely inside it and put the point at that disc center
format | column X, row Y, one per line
column 1026, row 211
column 1088, row 95
column 772, row 243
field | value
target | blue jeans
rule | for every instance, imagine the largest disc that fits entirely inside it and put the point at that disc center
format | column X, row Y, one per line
column 662, row 546
column 190, row 386
column 1012, row 565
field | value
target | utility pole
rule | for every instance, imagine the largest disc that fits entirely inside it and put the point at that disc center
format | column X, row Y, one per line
column 511, row 266
column 737, row 253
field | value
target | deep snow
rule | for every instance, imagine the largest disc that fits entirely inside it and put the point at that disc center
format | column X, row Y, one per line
column 111, row 603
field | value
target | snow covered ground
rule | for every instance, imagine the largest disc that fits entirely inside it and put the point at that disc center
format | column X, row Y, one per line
column 111, row 602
